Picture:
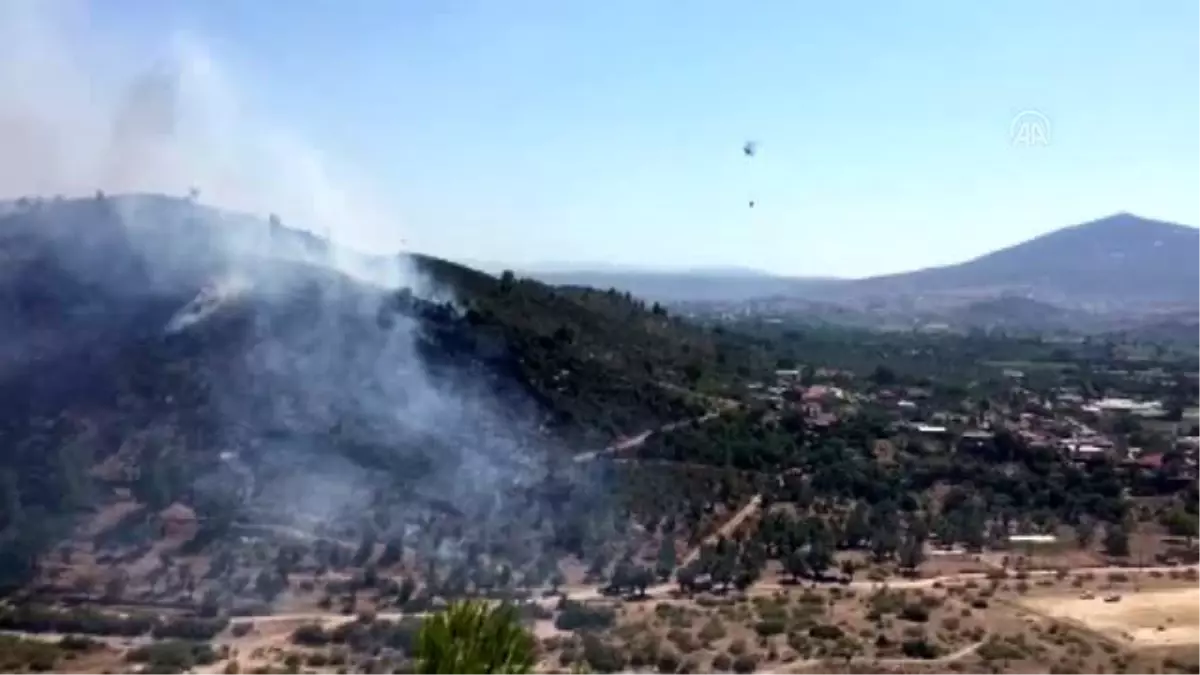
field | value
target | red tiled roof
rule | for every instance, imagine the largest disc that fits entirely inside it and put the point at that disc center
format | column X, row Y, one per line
column 1151, row 461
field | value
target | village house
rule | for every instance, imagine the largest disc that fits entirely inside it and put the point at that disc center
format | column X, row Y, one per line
column 930, row 432
column 1107, row 407
column 1188, row 444
column 1090, row 450
column 976, row 440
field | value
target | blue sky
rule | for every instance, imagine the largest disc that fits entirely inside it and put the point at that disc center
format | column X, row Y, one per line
column 524, row 131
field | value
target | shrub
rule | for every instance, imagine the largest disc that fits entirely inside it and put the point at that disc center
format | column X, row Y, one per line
column 768, row 627
column 746, row 663
column 997, row 650
column 668, row 661
column 917, row 613
column 722, row 663
column 77, row 643
column 20, row 654
column 919, row 648
column 310, row 635
column 712, row 631
column 576, row 616
column 682, row 639
column 190, row 628
column 601, row 656
column 172, row 656
column 826, row 632
column 799, row 642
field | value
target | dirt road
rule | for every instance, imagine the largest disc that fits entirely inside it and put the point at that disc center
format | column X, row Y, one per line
column 728, row 528
column 326, row 618
column 619, row 446
column 640, row 439
column 771, row 587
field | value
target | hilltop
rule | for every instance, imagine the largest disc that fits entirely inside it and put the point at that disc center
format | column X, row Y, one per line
column 167, row 351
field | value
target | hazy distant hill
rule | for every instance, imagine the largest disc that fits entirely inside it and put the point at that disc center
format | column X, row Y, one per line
column 1119, row 262
column 1116, row 260
column 719, row 285
column 1012, row 312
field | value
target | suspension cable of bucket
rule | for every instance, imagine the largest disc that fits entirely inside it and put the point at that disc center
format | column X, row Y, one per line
column 750, row 151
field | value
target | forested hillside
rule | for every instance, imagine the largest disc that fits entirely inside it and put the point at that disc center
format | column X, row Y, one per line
column 160, row 347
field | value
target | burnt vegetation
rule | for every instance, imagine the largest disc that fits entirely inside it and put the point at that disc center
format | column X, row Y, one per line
column 310, row 381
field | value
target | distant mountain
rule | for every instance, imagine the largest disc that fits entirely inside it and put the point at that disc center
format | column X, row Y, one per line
column 559, row 267
column 566, row 267
column 1111, row 262
column 1121, row 262
column 729, row 271
column 728, row 284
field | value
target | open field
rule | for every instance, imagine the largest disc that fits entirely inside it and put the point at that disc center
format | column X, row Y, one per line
column 1154, row 618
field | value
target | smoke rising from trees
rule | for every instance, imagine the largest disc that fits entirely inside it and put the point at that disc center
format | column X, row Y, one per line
column 80, row 112
column 336, row 417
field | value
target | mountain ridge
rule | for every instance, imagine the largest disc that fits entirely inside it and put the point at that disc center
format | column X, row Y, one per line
column 1122, row 256
column 1100, row 263
column 683, row 286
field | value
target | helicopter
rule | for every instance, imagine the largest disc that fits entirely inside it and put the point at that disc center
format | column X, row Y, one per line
column 749, row 150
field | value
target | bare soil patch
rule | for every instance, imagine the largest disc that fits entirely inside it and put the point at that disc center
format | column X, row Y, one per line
column 1151, row 618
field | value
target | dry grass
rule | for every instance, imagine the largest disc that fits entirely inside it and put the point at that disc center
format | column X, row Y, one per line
column 1153, row 618
column 787, row 630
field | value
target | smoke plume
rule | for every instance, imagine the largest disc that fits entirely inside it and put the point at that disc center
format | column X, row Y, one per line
column 79, row 114
column 312, row 368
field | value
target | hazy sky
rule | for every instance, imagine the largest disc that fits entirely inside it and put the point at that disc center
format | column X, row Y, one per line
column 525, row 131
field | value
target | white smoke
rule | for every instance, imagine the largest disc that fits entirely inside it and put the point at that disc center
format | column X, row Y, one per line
column 78, row 115
column 209, row 301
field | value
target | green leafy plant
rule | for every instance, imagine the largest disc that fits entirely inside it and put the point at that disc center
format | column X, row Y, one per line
column 475, row 637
